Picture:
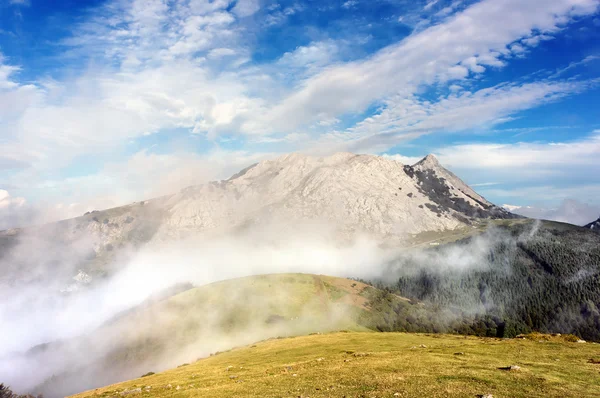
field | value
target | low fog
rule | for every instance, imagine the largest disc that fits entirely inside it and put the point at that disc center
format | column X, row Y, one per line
column 39, row 307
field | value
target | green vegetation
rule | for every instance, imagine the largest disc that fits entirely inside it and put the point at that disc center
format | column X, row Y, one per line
column 6, row 392
column 547, row 281
column 381, row 365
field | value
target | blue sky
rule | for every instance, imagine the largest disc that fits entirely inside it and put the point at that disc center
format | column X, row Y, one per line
column 109, row 101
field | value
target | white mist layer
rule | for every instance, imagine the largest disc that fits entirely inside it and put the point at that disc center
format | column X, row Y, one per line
column 38, row 315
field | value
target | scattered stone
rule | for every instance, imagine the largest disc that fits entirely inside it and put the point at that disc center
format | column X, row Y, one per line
column 169, row 386
column 397, row 394
column 581, row 341
column 233, row 377
column 423, row 346
column 361, row 354
column 459, row 353
column 320, row 359
column 178, row 388
column 132, row 391
column 511, row 368
column 295, row 375
column 486, row 396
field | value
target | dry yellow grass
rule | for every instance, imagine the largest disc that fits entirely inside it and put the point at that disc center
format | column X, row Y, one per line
column 380, row 365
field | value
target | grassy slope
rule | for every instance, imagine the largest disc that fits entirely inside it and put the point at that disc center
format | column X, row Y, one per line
column 381, row 365
column 215, row 317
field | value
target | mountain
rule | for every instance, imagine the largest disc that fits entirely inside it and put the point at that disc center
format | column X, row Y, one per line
column 346, row 193
column 594, row 225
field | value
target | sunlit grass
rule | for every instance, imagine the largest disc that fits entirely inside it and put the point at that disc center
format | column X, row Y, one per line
column 357, row 364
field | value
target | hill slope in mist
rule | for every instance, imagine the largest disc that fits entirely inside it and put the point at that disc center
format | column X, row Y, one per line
column 516, row 277
column 381, row 365
column 195, row 323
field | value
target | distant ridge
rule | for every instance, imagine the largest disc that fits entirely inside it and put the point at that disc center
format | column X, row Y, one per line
column 594, row 225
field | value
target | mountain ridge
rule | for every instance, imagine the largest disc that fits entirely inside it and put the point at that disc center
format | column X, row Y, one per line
column 347, row 194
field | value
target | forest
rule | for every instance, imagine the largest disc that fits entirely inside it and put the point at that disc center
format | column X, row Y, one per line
column 525, row 277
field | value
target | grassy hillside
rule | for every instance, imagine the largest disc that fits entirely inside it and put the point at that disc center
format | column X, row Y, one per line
column 381, row 365
column 200, row 321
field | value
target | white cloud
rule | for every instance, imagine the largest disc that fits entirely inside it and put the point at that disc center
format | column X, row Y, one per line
column 245, row 8
column 526, row 155
column 534, row 40
column 408, row 117
column 574, row 65
column 424, row 58
column 569, row 211
column 408, row 160
column 309, row 59
column 430, row 4
column 221, row 52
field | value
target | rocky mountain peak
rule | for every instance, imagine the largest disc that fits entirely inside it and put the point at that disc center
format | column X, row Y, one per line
column 429, row 161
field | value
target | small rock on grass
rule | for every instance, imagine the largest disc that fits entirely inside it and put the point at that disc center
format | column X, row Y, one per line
column 132, row 391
